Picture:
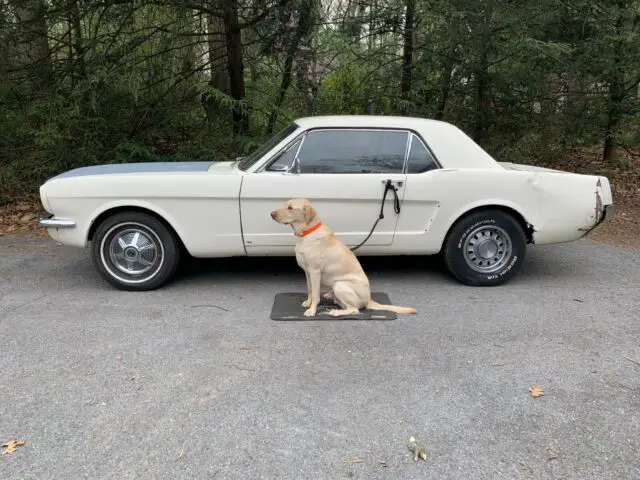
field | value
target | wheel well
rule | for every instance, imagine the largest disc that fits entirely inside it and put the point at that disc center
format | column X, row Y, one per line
column 130, row 208
column 526, row 227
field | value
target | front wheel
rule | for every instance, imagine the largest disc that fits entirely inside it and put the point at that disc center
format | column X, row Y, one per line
column 135, row 251
column 485, row 248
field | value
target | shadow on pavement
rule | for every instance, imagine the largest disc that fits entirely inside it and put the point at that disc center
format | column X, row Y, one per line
column 255, row 267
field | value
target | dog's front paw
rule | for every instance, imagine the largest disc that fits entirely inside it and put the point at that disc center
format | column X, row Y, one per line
column 306, row 303
column 336, row 312
column 310, row 312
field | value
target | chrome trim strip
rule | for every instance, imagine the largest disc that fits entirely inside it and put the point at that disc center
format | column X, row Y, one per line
column 303, row 135
column 405, row 165
column 53, row 222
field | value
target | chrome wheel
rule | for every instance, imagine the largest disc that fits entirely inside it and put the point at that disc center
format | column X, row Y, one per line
column 131, row 252
column 487, row 249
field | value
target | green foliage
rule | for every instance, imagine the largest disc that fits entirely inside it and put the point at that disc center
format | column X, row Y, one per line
column 129, row 82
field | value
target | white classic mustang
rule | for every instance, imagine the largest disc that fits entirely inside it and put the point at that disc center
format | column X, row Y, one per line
column 443, row 194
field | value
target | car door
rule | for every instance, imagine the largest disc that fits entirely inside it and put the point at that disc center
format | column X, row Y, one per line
column 423, row 194
column 342, row 171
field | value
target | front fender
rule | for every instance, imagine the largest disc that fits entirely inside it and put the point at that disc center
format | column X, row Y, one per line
column 134, row 204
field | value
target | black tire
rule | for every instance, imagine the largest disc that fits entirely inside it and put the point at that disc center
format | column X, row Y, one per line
column 494, row 230
column 164, row 254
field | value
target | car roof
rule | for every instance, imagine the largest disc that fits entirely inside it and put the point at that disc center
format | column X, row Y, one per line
column 439, row 135
column 369, row 121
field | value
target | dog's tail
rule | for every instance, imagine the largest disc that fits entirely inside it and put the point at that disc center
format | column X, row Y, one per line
column 392, row 308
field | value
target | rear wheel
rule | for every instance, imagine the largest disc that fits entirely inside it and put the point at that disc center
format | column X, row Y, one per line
column 135, row 251
column 485, row 248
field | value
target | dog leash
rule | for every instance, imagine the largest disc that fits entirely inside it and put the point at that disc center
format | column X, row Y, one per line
column 396, row 207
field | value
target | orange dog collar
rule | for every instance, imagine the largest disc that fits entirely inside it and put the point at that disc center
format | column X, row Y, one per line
column 309, row 230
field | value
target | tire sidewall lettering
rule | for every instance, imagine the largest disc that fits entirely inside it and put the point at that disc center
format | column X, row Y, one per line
column 468, row 230
column 454, row 253
column 505, row 270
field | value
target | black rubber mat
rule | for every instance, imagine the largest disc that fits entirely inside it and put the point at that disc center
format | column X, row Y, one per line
column 288, row 306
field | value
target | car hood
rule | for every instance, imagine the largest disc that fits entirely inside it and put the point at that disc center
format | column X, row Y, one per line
column 148, row 167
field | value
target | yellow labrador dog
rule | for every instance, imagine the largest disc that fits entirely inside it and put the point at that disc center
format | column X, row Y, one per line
column 327, row 261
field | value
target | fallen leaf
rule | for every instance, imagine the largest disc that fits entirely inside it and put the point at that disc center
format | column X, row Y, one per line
column 536, row 391
column 180, row 456
column 119, row 356
column 10, row 446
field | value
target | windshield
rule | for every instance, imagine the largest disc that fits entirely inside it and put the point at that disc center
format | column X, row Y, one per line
column 257, row 154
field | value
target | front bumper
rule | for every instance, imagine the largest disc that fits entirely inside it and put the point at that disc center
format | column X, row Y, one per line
column 53, row 222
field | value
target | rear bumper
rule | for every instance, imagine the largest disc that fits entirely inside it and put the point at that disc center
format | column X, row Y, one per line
column 53, row 222
column 607, row 213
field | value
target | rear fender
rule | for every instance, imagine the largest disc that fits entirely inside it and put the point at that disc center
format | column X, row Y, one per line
column 523, row 216
column 569, row 205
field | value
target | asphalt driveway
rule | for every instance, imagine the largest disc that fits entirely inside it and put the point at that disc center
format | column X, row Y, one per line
column 195, row 381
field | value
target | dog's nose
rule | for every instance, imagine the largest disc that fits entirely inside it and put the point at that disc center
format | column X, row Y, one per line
column 273, row 214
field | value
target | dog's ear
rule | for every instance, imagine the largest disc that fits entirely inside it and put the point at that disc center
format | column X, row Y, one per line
column 309, row 213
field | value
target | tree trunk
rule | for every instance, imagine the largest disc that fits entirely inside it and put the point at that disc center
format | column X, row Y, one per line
column 407, row 56
column 309, row 75
column 235, row 64
column 373, row 10
column 481, row 84
column 284, row 84
column 616, row 97
column 33, row 46
column 312, row 100
column 481, row 73
column 447, row 69
column 218, row 66
column 302, row 29
column 80, row 66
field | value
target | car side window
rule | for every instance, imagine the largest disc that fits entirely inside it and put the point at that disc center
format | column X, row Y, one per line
column 285, row 159
column 353, row 151
column 420, row 159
